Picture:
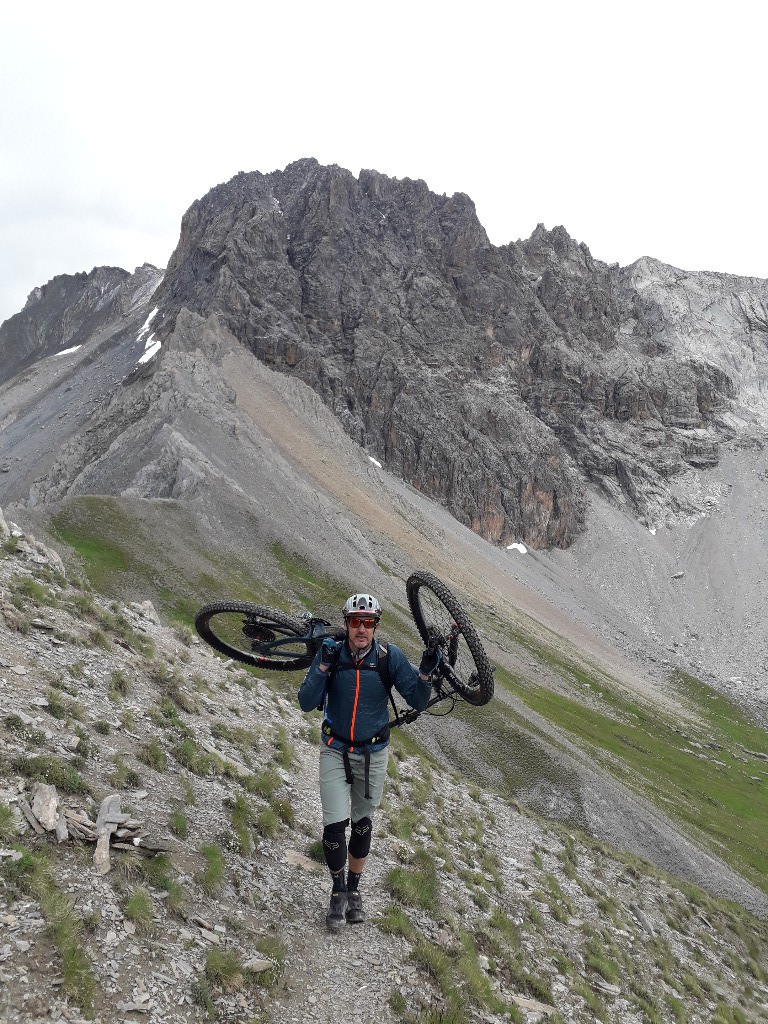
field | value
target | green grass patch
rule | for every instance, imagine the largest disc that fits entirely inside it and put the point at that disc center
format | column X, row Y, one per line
column 137, row 907
column 395, row 921
column 53, row 770
column 242, row 818
column 319, row 592
column 701, row 780
column 273, row 949
column 158, row 873
column 178, row 823
column 190, row 755
column 224, row 967
column 153, row 755
column 32, row 874
column 211, row 878
column 140, row 548
column 7, row 824
column 415, row 885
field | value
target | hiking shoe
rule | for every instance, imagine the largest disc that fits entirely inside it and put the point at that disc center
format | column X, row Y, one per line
column 354, row 912
column 335, row 916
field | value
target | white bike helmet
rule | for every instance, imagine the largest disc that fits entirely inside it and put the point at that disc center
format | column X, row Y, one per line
column 362, row 604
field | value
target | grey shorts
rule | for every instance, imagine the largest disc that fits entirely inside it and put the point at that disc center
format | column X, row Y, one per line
column 339, row 799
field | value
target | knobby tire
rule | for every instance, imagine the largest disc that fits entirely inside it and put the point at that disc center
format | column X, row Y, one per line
column 238, row 629
column 440, row 619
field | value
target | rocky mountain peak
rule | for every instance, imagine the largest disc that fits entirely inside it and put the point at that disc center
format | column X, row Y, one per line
column 503, row 381
column 69, row 310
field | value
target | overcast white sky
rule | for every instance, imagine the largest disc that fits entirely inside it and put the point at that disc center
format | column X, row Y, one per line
column 639, row 126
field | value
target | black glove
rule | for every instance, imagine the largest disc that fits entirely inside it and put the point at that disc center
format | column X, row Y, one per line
column 430, row 659
column 329, row 651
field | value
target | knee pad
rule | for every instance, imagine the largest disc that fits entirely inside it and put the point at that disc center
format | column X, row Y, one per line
column 360, row 840
column 335, row 845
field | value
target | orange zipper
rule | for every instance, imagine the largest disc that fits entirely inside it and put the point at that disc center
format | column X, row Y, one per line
column 354, row 708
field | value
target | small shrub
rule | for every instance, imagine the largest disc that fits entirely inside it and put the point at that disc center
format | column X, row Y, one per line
column 102, row 727
column 7, row 824
column 29, row 591
column 597, row 959
column 32, row 875
column 201, row 996
column 211, row 877
column 267, row 823
column 241, row 816
column 152, row 754
column 169, row 683
column 138, row 908
column 100, row 639
column 56, row 707
column 157, row 872
column 185, row 634
column 284, row 755
column 178, row 823
column 54, row 771
column 84, row 746
column 223, row 967
column 395, row 921
column 272, row 948
column 190, row 756
column 120, row 683
column 415, row 886
column 315, row 851
column 266, row 783
column 33, row 737
column 123, row 777
column 284, row 810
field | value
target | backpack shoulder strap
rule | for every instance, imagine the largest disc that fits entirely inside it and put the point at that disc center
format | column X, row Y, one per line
column 383, row 665
column 386, row 678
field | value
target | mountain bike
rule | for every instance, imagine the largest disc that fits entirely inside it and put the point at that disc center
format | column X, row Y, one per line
column 269, row 639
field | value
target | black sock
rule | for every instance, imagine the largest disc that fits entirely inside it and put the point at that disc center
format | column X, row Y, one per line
column 339, row 884
column 353, row 880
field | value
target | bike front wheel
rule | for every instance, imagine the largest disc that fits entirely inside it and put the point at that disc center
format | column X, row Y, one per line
column 254, row 635
column 441, row 621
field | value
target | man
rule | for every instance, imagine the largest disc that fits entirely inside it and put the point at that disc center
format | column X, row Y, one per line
column 345, row 679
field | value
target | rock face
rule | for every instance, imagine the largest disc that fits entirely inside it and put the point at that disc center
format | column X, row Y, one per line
column 67, row 312
column 502, row 381
column 392, row 304
column 499, row 380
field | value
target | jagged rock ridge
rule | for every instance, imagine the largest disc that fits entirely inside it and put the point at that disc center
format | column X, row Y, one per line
column 503, row 381
column 496, row 379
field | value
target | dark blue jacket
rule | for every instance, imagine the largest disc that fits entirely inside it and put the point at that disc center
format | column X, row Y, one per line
column 356, row 704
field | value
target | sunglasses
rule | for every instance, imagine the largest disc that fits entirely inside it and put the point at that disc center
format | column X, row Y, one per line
column 357, row 620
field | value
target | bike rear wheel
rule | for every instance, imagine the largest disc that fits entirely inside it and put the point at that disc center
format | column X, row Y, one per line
column 256, row 636
column 442, row 621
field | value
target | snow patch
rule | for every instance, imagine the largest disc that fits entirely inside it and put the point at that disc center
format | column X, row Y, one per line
column 652, row 530
column 147, row 322
column 151, row 349
column 374, row 461
column 518, row 547
column 66, row 351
